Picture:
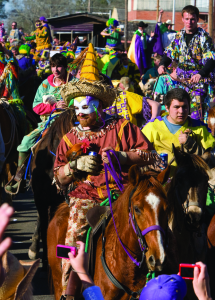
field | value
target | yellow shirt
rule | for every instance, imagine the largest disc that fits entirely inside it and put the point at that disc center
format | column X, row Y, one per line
column 162, row 139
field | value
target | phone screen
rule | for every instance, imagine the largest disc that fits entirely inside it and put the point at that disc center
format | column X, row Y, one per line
column 187, row 272
column 63, row 252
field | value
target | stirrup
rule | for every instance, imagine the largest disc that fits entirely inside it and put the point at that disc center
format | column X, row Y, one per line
column 17, row 190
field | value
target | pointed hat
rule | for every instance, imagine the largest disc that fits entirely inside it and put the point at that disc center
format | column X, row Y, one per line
column 89, row 84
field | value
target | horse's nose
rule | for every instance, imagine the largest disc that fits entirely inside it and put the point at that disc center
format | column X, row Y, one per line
column 152, row 261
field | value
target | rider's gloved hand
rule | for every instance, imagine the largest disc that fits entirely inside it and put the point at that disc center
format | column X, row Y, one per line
column 86, row 163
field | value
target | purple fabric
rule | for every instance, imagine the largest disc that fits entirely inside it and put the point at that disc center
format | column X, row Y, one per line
column 43, row 19
column 140, row 58
column 195, row 115
column 146, row 110
column 157, row 41
column 165, row 287
column 151, row 228
column 89, row 98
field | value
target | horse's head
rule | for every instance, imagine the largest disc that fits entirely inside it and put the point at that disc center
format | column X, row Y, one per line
column 190, row 185
column 148, row 209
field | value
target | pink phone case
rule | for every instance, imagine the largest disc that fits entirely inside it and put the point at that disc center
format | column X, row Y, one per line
column 73, row 250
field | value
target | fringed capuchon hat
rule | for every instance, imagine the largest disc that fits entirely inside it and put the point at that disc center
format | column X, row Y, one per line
column 17, row 278
column 90, row 83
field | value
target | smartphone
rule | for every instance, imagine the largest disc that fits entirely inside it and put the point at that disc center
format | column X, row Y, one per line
column 62, row 251
column 186, row 270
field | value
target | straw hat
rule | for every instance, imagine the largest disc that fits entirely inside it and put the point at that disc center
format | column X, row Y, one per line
column 18, row 277
column 90, row 83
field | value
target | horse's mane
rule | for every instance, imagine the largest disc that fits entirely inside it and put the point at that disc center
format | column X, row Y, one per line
column 60, row 127
column 147, row 181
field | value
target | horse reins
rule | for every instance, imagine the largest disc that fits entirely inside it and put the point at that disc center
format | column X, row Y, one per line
column 140, row 234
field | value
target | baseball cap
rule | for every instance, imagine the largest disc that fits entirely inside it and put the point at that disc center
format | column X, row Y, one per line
column 168, row 287
column 43, row 19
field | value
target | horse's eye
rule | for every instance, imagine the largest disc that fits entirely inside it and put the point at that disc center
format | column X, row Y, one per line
column 136, row 209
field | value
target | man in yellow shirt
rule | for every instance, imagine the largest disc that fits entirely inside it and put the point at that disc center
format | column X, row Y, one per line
column 178, row 128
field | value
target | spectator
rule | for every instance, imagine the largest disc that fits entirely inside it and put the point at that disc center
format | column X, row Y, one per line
column 15, row 51
column 152, row 72
column 14, row 36
column 45, row 24
column 56, row 41
column 162, row 287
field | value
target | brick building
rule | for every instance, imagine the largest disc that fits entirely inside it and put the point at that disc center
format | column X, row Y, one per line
column 145, row 10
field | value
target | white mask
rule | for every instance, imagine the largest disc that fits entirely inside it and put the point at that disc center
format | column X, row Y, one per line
column 85, row 107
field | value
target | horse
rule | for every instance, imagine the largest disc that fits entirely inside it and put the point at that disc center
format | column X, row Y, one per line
column 145, row 199
column 46, row 196
column 211, row 238
column 11, row 139
column 188, row 191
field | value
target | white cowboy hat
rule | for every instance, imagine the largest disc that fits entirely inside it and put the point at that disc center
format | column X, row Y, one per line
column 169, row 22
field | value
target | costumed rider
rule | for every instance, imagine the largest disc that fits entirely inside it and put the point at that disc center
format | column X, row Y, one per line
column 8, row 75
column 132, row 106
column 41, row 35
column 26, row 66
column 167, row 34
column 140, row 49
column 96, row 132
column 46, row 101
column 178, row 128
column 193, row 50
column 112, row 33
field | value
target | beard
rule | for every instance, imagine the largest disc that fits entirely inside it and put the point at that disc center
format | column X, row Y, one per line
column 88, row 120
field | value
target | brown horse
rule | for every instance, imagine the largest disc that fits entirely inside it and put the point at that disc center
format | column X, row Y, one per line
column 46, row 197
column 147, row 200
column 11, row 140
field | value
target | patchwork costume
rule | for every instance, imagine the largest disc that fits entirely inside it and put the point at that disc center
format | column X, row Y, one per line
column 127, row 105
column 8, row 77
column 41, row 35
column 115, row 132
column 194, row 57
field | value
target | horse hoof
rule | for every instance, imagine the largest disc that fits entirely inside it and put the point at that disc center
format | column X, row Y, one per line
column 33, row 255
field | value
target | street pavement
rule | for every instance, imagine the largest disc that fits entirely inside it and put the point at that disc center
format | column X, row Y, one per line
column 21, row 229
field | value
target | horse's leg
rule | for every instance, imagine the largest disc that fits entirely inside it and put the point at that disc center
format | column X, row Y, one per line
column 56, row 235
column 33, row 251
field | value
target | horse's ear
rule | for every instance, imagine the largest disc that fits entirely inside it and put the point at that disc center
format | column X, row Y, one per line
column 164, row 175
column 177, row 154
column 134, row 175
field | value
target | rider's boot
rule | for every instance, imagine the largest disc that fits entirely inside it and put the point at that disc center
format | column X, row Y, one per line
column 13, row 186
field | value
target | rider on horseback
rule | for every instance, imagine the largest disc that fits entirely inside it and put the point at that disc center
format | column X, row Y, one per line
column 193, row 50
column 98, row 132
column 178, row 128
column 47, row 100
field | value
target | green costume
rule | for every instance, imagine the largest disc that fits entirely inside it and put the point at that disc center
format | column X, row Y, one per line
column 42, row 106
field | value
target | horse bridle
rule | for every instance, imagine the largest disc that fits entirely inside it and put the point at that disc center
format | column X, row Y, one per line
column 141, row 234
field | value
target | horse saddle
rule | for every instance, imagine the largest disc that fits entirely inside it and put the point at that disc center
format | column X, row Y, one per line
column 95, row 217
